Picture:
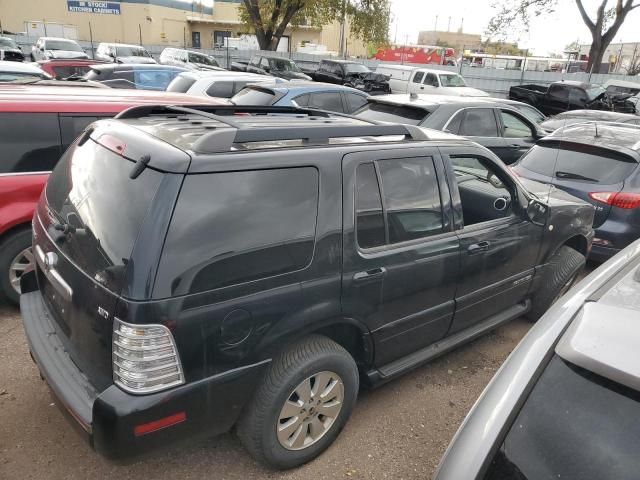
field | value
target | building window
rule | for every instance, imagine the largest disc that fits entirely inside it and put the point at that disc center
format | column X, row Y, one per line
column 219, row 36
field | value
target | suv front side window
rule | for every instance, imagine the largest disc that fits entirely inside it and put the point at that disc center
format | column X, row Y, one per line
column 514, row 127
column 479, row 122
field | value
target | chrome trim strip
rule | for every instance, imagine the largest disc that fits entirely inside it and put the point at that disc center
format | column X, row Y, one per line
column 53, row 276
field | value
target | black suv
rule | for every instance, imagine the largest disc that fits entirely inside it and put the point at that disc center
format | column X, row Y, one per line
column 251, row 266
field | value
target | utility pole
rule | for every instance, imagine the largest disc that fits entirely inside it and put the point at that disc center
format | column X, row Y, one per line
column 343, row 16
column 140, row 32
column 93, row 52
column 449, row 25
column 435, row 27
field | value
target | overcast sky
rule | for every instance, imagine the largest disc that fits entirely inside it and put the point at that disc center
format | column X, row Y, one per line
column 548, row 34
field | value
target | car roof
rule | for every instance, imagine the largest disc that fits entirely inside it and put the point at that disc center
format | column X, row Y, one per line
column 121, row 45
column 207, row 134
column 42, row 99
column 596, row 114
column 618, row 137
column 58, row 38
column 198, row 74
column 6, row 66
column 605, row 335
column 426, row 101
column 575, row 83
column 307, row 86
column 137, row 66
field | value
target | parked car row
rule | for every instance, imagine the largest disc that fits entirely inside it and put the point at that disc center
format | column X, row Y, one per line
column 249, row 250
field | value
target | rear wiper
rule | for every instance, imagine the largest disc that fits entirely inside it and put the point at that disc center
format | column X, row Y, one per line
column 574, row 176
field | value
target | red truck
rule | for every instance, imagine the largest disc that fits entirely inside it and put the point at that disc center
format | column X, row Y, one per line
column 37, row 124
column 422, row 54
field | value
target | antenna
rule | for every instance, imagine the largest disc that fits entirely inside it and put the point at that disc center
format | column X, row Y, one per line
column 595, row 124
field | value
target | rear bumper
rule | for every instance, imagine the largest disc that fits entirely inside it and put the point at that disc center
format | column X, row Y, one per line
column 617, row 234
column 108, row 419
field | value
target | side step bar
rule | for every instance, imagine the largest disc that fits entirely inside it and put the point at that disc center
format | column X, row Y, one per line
column 415, row 359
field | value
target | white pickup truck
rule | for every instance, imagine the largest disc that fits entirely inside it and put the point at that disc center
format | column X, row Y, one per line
column 407, row 79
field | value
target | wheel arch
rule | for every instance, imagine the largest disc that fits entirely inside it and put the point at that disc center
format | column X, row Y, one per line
column 353, row 337
column 579, row 243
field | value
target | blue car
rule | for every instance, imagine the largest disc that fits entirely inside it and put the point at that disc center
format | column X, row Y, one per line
column 324, row 96
column 134, row 76
column 597, row 162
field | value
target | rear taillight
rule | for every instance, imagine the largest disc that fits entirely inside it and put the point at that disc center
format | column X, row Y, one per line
column 617, row 199
column 145, row 358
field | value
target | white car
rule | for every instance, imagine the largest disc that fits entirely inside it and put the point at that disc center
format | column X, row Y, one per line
column 408, row 79
column 11, row 71
column 188, row 59
column 221, row 84
column 123, row 53
column 48, row 48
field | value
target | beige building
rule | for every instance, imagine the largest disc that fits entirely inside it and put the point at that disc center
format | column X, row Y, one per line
column 194, row 23
column 457, row 40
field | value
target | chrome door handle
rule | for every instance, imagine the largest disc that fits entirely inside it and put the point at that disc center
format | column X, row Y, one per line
column 478, row 247
column 370, row 274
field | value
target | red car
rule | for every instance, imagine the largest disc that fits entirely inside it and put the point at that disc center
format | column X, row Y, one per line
column 37, row 124
column 65, row 68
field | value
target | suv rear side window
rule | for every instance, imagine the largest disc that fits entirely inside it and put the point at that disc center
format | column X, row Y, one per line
column 479, row 122
column 412, row 205
column 30, row 142
column 234, row 227
column 331, row 101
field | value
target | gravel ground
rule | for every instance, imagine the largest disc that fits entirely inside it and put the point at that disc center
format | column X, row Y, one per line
column 398, row 431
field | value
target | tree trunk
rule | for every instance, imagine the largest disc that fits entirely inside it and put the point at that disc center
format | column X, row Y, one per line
column 596, row 54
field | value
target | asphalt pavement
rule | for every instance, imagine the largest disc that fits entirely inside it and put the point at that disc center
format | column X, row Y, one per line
column 398, row 431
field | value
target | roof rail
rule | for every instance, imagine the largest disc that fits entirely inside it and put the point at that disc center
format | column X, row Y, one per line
column 219, row 110
column 221, row 140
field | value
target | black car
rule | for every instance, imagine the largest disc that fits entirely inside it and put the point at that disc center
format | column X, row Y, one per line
column 499, row 126
column 135, row 76
column 276, row 67
column 352, row 74
column 250, row 266
column 570, row 95
column 598, row 162
column 10, row 51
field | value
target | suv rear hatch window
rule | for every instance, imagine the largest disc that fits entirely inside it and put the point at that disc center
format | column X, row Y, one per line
column 385, row 112
column 254, row 96
column 91, row 213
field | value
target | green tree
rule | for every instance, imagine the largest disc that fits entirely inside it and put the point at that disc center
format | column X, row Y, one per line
column 368, row 19
column 609, row 17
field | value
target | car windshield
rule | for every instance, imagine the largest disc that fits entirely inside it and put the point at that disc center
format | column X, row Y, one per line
column 355, row 68
column 202, row 59
column 283, row 65
column 594, row 91
column 452, row 80
column 131, row 52
column 531, row 113
column 8, row 43
column 574, row 424
column 385, row 112
column 62, row 45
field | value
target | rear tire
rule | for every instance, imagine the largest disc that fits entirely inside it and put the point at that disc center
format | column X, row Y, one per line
column 285, row 439
column 13, row 262
column 564, row 268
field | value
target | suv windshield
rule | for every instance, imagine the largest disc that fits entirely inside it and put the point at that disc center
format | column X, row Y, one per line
column 62, row 45
column 203, row 59
column 574, row 424
column 131, row 52
column 283, row 65
column 452, row 80
column 7, row 43
column 392, row 113
column 355, row 68
column 91, row 191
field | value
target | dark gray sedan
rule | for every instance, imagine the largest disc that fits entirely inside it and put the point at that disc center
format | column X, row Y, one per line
column 497, row 125
column 566, row 403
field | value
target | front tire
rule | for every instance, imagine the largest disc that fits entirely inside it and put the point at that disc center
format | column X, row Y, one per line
column 564, row 268
column 302, row 404
column 16, row 257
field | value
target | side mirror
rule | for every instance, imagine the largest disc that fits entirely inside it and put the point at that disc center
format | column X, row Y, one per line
column 537, row 212
column 42, row 49
column 494, row 180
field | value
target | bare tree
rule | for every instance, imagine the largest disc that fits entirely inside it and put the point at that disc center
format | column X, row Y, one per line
column 609, row 17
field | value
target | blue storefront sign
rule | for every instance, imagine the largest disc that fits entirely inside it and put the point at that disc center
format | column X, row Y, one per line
column 106, row 8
